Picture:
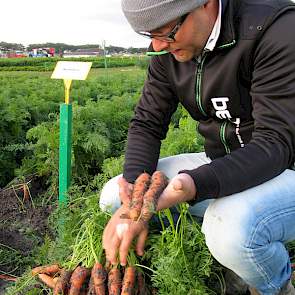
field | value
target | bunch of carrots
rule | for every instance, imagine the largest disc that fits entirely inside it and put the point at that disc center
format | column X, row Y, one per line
column 100, row 280
column 95, row 281
column 146, row 192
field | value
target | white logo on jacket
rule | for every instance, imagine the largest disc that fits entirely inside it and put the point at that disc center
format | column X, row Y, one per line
column 220, row 105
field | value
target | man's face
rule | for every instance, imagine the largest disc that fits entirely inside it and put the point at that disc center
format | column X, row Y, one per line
column 192, row 35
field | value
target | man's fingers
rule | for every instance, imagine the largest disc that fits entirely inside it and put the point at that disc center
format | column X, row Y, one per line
column 121, row 228
column 125, row 245
column 141, row 242
column 112, row 250
column 107, row 233
column 124, row 190
column 135, row 230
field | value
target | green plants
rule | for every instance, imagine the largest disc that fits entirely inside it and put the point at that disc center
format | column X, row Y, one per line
column 180, row 260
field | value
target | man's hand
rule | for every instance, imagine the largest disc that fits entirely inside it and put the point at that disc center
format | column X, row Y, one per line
column 181, row 188
column 119, row 234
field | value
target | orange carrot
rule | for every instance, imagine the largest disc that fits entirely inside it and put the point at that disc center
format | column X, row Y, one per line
column 8, row 278
column 114, row 282
column 140, row 187
column 63, row 282
column 99, row 276
column 158, row 183
column 47, row 269
column 78, row 277
column 128, row 286
column 26, row 192
column 47, row 280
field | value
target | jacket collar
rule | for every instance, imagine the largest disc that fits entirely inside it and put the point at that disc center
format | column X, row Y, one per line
column 229, row 17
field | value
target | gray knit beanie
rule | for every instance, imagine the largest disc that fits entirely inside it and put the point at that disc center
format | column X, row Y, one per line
column 147, row 15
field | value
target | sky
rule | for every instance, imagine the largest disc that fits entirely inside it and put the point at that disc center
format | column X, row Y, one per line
column 74, row 22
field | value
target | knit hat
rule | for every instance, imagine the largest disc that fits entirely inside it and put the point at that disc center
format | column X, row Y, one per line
column 147, row 15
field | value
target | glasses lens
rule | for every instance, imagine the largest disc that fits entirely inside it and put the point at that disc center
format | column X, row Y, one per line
column 167, row 37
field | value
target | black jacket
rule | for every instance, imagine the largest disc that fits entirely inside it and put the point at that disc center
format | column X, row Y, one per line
column 242, row 93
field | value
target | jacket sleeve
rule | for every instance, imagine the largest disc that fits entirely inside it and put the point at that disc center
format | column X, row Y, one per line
column 271, row 149
column 150, row 122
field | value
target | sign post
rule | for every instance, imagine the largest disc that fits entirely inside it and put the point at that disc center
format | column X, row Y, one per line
column 68, row 71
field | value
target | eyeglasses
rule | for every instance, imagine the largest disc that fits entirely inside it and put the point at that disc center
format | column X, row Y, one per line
column 170, row 37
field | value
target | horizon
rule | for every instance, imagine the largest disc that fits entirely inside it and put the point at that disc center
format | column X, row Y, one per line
column 57, row 43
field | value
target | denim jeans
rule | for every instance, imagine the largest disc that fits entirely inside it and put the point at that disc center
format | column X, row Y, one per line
column 247, row 231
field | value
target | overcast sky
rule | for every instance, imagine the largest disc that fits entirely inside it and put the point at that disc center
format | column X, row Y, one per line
column 74, row 22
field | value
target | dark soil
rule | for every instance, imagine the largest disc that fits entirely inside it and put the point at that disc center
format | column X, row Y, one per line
column 23, row 226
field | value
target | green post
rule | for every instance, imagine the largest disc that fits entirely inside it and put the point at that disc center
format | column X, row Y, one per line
column 65, row 148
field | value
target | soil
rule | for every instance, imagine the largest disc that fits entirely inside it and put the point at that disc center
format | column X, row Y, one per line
column 23, row 226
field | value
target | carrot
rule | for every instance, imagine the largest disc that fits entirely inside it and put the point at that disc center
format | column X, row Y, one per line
column 26, row 192
column 128, row 286
column 91, row 290
column 158, row 183
column 46, row 279
column 114, row 282
column 78, row 277
column 140, row 187
column 99, row 276
column 141, row 288
column 47, row 269
column 63, row 282
column 8, row 278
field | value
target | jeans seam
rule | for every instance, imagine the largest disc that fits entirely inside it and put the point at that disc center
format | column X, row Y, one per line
column 263, row 222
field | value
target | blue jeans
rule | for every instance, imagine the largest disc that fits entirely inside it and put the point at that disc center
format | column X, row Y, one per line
column 247, row 231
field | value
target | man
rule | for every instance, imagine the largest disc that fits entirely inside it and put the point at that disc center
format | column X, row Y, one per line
column 231, row 64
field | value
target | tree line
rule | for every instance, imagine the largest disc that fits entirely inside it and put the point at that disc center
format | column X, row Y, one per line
column 61, row 47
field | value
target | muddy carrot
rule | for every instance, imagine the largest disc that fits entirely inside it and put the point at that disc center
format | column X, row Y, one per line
column 140, row 187
column 141, row 288
column 91, row 290
column 8, row 278
column 158, row 183
column 128, row 286
column 99, row 276
column 47, row 269
column 63, row 283
column 114, row 282
column 47, row 280
column 78, row 277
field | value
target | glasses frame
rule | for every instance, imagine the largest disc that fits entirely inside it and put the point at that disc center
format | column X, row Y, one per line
column 169, row 37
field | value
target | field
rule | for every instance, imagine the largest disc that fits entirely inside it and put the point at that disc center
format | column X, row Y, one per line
column 102, row 108
column 35, row 231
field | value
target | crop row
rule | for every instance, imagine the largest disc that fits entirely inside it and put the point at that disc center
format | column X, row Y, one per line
column 48, row 64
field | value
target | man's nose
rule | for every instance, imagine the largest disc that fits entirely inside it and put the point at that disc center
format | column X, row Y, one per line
column 159, row 45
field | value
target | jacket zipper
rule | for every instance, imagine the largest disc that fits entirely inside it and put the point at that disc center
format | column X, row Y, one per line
column 222, row 133
column 200, row 63
column 223, row 136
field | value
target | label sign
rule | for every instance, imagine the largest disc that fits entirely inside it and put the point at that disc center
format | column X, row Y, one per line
column 71, row 70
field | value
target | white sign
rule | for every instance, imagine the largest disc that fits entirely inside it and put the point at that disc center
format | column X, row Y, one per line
column 71, row 70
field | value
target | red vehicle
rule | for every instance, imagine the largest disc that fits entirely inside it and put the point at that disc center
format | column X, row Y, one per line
column 16, row 54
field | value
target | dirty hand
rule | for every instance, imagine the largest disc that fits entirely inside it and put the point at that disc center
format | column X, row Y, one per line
column 119, row 234
column 181, row 188
column 125, row 191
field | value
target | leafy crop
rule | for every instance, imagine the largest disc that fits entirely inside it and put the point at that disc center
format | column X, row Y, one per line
column 102, row 108
column 179, row 257
column 47, row 64
column 29, row 108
